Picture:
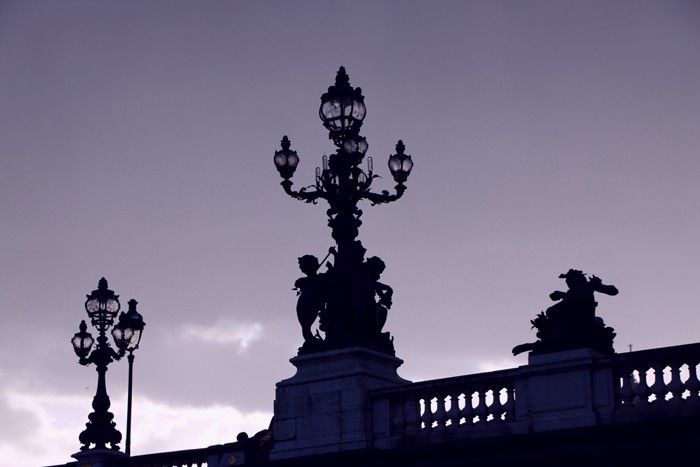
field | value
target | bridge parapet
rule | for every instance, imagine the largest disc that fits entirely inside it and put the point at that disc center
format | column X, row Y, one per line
column 562, row 390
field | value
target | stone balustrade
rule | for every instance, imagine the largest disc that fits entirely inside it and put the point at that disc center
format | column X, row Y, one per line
column 658, row 378
column 554, row 391
column 458, row 404
column 221, row 455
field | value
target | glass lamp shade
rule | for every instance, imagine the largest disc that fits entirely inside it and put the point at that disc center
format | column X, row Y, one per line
column 135, row 339
column 82, row 341
column 127, row 332
column 342, row 114
column 400, row 164
column 342, row 108
column 286, row 160
column 102, row 301
column 122, row 335
column 355, row 144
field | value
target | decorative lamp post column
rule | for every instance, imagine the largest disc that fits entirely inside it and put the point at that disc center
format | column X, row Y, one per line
column 102, row 306
column 348, row 299
column 127, row 335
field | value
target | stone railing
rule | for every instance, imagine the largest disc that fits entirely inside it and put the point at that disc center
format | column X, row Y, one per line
column 570, row 389
column 185, row 458
column 463, row 403
column 658, row 378
column 219, row 455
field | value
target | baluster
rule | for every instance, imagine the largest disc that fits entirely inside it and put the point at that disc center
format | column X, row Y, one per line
column 509, row 406
column 481, row 408
column 659, row 387
column 675, row 386
column 497, row 406
column 625, row 392
column 427, row 417
column 468, row 410
column 642, row 390
column 693, row 384
column 453, row 415
column 440, row 415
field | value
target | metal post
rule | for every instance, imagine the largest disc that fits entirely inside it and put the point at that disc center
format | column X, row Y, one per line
column 130, row 357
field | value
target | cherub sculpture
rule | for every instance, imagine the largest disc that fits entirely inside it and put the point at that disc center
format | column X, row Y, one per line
column 571, row 323
column 375, row 267
column 312, row 295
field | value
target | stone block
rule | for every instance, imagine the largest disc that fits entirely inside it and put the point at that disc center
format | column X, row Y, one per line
column 325, row 406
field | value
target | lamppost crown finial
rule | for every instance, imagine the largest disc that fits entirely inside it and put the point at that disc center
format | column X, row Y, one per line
column 285, row 143
column 102, row 284
column 341, row 78
column 400, row 147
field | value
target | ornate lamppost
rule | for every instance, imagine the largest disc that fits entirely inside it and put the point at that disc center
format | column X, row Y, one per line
column 102, row 306
column 127, row 335
column 348, row 298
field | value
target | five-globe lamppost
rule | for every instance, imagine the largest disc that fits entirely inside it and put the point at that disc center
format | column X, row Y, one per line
column 102, row 306
column 344, row 297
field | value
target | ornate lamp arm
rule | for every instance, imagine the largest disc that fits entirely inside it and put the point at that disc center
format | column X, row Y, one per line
column 384, row 196
column 116, row 355
column 85, row 361
column 302, row 194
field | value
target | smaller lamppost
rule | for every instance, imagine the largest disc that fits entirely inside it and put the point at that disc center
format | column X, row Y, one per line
column 127, row 335
column 102, row 306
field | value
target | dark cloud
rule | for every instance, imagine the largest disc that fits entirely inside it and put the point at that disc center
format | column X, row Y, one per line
column 138, row 140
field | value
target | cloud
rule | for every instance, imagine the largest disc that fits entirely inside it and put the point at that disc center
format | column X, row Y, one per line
column 58, row 419
column 162, row 427
column 224, row 332
column 497, row 364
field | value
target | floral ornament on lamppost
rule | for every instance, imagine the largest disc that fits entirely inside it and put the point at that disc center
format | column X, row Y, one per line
column 348, row 300
column 102, row 306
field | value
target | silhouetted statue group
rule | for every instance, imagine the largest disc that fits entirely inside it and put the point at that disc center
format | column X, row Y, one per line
column 571, row 322
column 348, row 300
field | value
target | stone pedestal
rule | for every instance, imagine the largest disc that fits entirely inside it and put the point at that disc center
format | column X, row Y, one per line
column 568, row 389
column 325, row 407
column 97, row 457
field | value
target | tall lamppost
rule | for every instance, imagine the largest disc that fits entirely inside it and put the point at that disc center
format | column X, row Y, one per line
column 348, row 299
column 102, row 306
column 127, row 335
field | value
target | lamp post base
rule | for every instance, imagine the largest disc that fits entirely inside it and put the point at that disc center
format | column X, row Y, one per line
column 325, row 406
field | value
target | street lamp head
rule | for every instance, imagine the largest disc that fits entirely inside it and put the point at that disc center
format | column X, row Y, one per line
column 127, row 332
column 102, row 305
column 82, row 341
column 400, row 164
column 286, row 160
column 356, row 146
column 342, row 108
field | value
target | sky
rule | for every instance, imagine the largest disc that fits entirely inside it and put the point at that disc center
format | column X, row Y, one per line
column 136, row 143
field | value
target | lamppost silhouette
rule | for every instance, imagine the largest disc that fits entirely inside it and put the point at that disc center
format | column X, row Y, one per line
column 102, row 306
column 127, row 335
column 344, row 297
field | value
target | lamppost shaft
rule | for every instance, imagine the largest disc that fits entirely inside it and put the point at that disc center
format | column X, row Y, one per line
column 130, row 358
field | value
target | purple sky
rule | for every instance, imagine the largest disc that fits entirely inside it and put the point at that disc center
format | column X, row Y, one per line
column 136, row 142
